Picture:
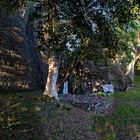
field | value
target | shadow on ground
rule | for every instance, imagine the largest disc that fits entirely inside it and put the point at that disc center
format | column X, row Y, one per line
column 29, row 116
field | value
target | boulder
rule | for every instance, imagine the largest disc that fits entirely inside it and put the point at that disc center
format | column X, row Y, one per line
column 117, row 74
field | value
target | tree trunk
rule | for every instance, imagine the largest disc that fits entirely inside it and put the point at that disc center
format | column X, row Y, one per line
column 51, row 85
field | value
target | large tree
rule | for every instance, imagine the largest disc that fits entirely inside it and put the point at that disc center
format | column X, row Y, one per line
column 75, row 30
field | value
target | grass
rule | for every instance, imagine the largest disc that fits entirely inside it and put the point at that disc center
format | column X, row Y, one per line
column 125, row 121
column 24, row 115
column 20, row 115
column 31, row 116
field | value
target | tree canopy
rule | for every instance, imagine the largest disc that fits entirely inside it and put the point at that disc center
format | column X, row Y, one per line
column 89, row 28
column 97, row 25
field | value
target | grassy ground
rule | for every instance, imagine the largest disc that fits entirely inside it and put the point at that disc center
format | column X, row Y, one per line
column 29, row 116
column 19, row 115
column 124, row 123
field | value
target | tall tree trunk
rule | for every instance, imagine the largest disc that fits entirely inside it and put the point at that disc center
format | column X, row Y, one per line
column 131, row 69
column 51, row 85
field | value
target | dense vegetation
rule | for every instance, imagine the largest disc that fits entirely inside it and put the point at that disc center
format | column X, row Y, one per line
column 91, row 27
column 75, row 31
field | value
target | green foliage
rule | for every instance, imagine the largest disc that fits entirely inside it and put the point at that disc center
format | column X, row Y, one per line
column 94, row 30
column 108, row 37
column 100, row 25
column 10, row 6
column 128, row 39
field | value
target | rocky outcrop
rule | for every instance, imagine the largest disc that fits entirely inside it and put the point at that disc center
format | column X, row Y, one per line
column 21, row 65
column 119, row 75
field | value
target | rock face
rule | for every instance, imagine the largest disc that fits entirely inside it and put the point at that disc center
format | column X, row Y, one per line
column 21, row 65
column 119, row 75
column 122, row 76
